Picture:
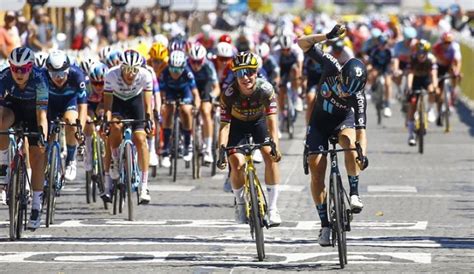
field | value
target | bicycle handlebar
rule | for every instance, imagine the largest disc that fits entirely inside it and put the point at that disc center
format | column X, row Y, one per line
column 21, row 133
column 358, row 149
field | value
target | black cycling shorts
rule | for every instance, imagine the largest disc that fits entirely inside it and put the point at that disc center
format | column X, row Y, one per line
column 205, row 92
column 133, row 108
column 25, row 115
column 320, row 129
column 238, row 130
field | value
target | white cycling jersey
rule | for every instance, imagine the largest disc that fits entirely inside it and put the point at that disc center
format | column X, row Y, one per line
column 115, row 84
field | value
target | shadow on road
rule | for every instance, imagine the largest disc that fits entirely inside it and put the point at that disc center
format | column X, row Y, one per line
column 466, row 116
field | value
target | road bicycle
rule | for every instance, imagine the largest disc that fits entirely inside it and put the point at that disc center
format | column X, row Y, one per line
column 19, row 183
column 55, row 167
column 129, row 179
column 421, row 118
column 339, row 212
column 95, row 178
column 255, row 202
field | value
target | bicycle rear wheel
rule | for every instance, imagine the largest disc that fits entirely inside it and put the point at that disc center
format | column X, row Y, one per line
column 338, row 210
column 215, row 136
column 255, row 218
column 128, row 179
column 175, row 148
column 290, row 115
column 13, row 199
column 116, row 197
column 422, row 125
column 89, row 186
column 446, row 103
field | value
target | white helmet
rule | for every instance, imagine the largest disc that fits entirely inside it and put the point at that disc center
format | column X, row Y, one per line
column 87, row 64
column 286, row 41
column 132, row 58
column 57, row 61
column 160, row 38
column 197, row 52
column 40, row 59
column 263, row 50
column 103, row 53
column 225, row 49
column 72, row 60
column 21, row 56
column 177, row 59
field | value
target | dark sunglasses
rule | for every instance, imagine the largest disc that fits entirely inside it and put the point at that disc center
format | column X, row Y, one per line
column 130, row 69
column 22, row 69
column 176, row 70
column 241, row 73
column 196, row 62
column 97, row 83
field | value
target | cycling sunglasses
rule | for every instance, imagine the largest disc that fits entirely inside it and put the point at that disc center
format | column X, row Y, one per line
column 241, row 73
column 176, row 70
column 97, row 83
column 196, row 62
column 130, row 69
column 21, row 69
column 58, row 74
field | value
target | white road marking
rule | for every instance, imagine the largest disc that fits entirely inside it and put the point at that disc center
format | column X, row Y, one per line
column 220, row 258
column 420, row 225
column 391, row 188
column 167, row 188
column 72, row 189
column 219, row 177
column 447, row 196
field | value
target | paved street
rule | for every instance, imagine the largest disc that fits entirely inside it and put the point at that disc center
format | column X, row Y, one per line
column 418, row 216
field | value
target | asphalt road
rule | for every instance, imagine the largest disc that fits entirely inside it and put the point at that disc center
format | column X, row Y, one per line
column 418, row 216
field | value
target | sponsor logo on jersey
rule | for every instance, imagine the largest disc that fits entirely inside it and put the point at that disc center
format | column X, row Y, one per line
column 333, row 60
column 229, row 91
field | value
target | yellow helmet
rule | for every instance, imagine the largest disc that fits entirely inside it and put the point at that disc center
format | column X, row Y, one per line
column 159, row 51
column 244, row 60
column 308, row 29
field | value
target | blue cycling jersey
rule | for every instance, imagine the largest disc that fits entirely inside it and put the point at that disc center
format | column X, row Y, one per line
column 185, row 81
column 381, row 59
column 36, row 88
column 74, row 86
column 207, row 74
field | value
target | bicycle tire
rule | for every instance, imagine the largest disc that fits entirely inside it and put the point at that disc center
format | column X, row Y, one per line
column 255, row 218
column 196, row 149
column 422, row 127
column 53, row 173
column 341, row 244
column 88, row 186
column 116, row 197
column 128, row 179
column 174, row 164
column 22, row 199
column 446, row 103
column 100, row 168
column 13, row 201
column 290, row 125
column 215, row 136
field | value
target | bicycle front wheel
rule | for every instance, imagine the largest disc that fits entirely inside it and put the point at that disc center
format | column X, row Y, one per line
column 175, row 153
column 13, row 201
column 196, row 149
column 339, row 225
column 255, row 218
column 215, row 136
column 447, row 111
column 128, row 179
column 52, row 178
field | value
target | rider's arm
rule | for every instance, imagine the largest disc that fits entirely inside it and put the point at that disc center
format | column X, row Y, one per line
column 410, row 79
column 225, row 121
column 360, row 106
column 108, row 97
column 82, row 99
column 148, row 92
column 216, row 89
column 361, row 137
column 271, row 110
column 307, row 42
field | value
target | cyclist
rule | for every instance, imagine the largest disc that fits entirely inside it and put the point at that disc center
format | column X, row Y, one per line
column 339, row 109
column 177, row 82
column 402, row 53
column 269, row 64
column 24, row 100
column 103, row 53
column 158, row 58
column 290, row 59
column 205, row 38
column 223, row 62
column 67, row 100
column 127, row 95
column 95, row 108
column 206, row 81
column 380, row 60
column 113, row 58
column 448, row 56
column 86, row 64
column 422, row 75
column 249, row 106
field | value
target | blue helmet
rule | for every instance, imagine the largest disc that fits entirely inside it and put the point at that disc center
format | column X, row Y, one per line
column 113, row 58
column 98, row 71
column 409, row 33
column 353, row 76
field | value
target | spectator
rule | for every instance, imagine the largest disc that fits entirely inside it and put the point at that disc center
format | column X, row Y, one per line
column 9, row 36
column 22, row 26
column 38, row 31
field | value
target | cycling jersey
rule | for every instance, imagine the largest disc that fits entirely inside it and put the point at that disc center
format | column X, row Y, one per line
column 114, row 83
column 446, row 56
column 423, row 68
column 66, row 97
column 24, row 103
column 156, row 85
column 403, row 52
column 381, row 59
column 286, row 62
column 179, row 88
column 332, row 113
column 271, row 68
column 248, row 108
column 205, row 78
column 312, row 70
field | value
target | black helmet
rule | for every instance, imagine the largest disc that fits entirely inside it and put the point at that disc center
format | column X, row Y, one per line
column 353, row 76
